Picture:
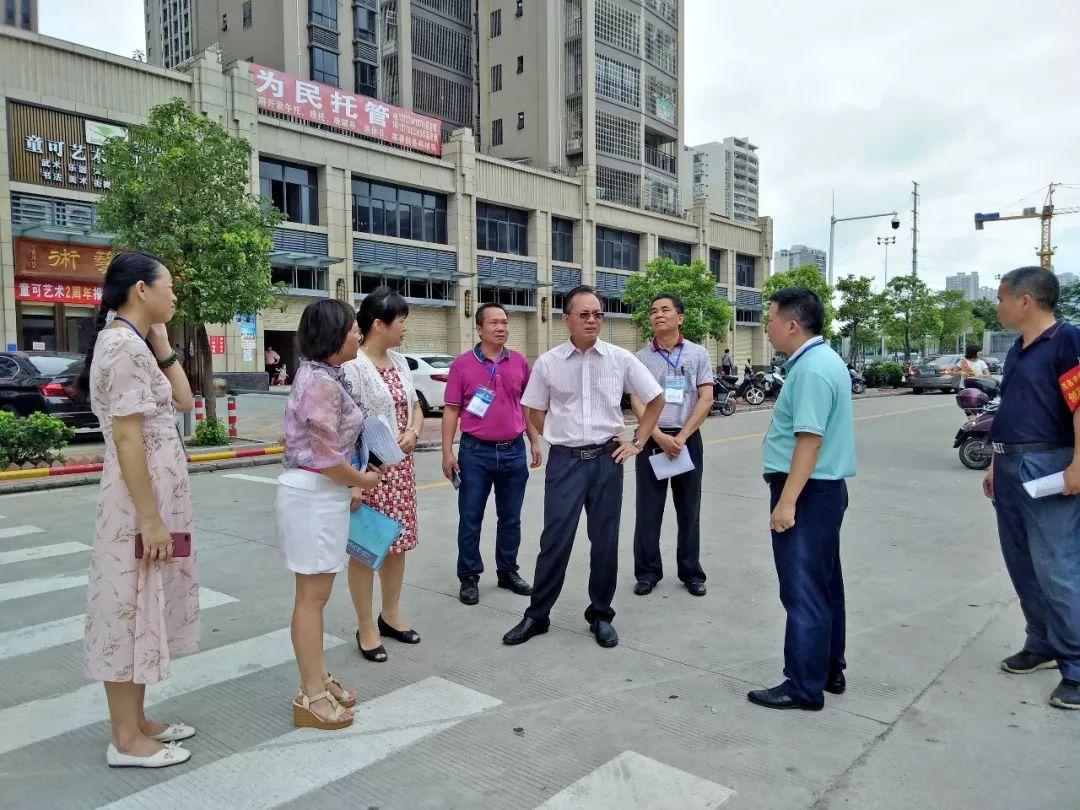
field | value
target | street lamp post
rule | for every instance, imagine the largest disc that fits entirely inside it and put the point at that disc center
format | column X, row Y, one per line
column 886, row 241
column 832, row 230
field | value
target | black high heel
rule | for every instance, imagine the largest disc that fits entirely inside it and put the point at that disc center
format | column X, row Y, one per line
column 371, row 655
column 404, row 636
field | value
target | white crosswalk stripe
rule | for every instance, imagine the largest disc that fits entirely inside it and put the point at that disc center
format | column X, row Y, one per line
column 37, row 637
column 41, row 552
column 19, row 531
column 285, row 768
column 37, row 720
column 22, row 588
column 257, row 478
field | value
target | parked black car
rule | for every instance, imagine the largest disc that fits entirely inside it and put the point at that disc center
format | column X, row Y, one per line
column 45, row 381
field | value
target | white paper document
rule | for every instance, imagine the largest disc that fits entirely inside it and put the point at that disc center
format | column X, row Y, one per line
column 380, row 439
column 1049, row 485
column 664, row 467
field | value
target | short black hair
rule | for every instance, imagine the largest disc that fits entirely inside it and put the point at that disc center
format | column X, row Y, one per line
column 680, row 307
column 803, row 305
column 1038, row 282
column 382, row 304
column 483, row 308
column 972, row 352
column 324, row 325
column 581, row 289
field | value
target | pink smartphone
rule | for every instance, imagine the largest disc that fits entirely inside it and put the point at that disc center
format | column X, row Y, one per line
column 181, row 545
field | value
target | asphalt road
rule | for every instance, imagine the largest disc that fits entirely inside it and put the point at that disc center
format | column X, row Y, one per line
column 661, row 721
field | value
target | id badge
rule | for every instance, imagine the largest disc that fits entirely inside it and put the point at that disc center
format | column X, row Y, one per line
column 674, row 390
column 480, row 402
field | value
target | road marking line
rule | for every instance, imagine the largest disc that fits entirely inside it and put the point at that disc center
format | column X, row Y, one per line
column 857, row 419
column 43, row 719
column 41, row 552
column 632, row 781
column 286, row 768
column 22, row 588
column 262, row 479
column 37, row 637
column 19, row 531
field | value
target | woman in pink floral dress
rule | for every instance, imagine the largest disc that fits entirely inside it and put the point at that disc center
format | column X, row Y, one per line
column 139, row 612
column 380, row 377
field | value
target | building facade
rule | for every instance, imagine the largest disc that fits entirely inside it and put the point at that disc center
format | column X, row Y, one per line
column 724, row 175
column 967, row 283
column 21, row 14
column 798, row 256
column 449, row 230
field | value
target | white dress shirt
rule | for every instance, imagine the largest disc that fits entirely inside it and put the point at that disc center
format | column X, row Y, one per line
column 582, row 392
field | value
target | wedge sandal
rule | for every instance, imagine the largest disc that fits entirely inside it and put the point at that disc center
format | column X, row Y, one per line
column 347, row 700
column 304, row 717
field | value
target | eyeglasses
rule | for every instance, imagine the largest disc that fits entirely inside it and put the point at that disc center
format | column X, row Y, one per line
column 590, row 316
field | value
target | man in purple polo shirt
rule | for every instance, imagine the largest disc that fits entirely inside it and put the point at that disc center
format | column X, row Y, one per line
column 484, row 390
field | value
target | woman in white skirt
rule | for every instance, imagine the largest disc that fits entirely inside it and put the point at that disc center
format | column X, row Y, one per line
column 322, row 423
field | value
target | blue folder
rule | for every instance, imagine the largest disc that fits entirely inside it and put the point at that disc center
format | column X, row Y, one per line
column 371, row 534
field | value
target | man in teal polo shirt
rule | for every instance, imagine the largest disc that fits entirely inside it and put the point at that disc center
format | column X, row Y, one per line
column 809, row 451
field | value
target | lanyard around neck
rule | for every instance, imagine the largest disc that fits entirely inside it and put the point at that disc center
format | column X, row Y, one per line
column 130, row 325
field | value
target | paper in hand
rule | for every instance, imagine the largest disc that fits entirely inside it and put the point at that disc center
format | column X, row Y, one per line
column 1048, row 485
column 379, row 440
column 665, row 467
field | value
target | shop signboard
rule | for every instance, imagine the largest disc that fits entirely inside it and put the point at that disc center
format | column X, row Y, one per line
column 290, row 95
column 39, row 259
column 217, row 344
column 58, row 149
column 47, row 292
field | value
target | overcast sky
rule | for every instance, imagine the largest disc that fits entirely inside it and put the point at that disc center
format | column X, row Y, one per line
column 978, row 101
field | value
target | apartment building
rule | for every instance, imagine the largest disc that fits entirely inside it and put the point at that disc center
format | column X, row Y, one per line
column 798, row 256
column 967, row 283
column 724, row 174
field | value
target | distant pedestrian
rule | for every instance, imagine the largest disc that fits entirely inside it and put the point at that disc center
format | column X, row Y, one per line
column 574, row 396
column 381, row 378
column 1036, row 433
column 272, row 359
column 684, row 370
column 972, row 364
column 748, row 370
column 809, row 451
column 319, row 487
column 727, row 364
column 139, row 612
column 484, row 391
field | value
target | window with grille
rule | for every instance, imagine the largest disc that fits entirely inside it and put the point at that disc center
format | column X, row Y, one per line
column 324, row 66
column 502, row 229
column 293, row 189
column 364, row 24
column 618, row 81
column 460, row 10
column 665, row 9
column 367, row 78
column 324, row 13
column 572, row 67
column 496, row 132
column 496, row 23
column 618, row 26
column 618, row 136
column 562, row 240
column 390, row 210
column 661, row 49
column 662, row 101
column 678, row 252
column 521, row 120
column 442, row 45
column 521, row 64
column 617, row 249
column 246, row 10
column 443, row 98
column 496, row 78
column 661, row 197
column 614, row 185
column 744, row 270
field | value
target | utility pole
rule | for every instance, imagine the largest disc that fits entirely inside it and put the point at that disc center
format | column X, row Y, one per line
column 914, row 229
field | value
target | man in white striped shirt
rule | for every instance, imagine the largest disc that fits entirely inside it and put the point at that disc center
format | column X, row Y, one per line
column 574, row 398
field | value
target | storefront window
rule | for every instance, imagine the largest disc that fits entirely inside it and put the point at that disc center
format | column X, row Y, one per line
column 38, row 332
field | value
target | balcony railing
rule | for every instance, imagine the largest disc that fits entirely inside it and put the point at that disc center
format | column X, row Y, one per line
column 660, row 160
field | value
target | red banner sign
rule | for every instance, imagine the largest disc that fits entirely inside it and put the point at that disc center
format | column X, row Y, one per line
column 57, row 292
column 322, row 104
column 217, row 344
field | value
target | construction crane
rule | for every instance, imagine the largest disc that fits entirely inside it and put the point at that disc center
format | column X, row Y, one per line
column 1048, row 212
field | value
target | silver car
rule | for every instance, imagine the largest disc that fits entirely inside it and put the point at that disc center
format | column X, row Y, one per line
column 941, row 373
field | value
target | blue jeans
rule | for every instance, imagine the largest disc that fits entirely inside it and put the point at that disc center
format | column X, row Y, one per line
column 812, row 587
column 481, row 467
column 1040, row 541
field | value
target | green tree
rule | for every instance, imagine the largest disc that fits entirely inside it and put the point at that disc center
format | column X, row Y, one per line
column 984, row 314
column 707, row 314
column 909, row 311
column 1069, row 303
column 806, row 276
column 954, row 317
column 180, row 189
column 858, row 312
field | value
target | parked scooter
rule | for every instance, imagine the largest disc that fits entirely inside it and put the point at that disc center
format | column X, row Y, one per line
column 973, row 438
column 724, row 392
column 858, row 381
column 752, row 389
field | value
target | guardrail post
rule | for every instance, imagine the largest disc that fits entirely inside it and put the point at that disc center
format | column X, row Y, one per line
column 233, row 433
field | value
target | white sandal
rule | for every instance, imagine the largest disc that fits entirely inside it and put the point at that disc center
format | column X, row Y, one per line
column 171, row 754
column 304, row 717
column 175, row 733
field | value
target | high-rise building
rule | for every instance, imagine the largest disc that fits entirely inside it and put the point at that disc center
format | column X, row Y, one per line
column 21, row 14
column 416, row 54
column 571, row 83
column 1067, row 278
column 967, row 283
column 723, row 173
column 797, row 256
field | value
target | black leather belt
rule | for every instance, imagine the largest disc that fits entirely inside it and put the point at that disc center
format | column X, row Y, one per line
column 587, row 452
column 1035, row 447
column 506, row 444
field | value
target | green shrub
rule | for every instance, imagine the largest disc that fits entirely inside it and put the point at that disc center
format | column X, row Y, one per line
column 879, row 375
column 894, row 374
column 874, row 375
column 38, row 439
column 210, row 433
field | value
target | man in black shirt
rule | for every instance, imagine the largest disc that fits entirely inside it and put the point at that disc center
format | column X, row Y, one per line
column 1035, row 434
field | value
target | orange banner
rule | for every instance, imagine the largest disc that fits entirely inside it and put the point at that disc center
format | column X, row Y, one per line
column 61, row 260
column 1070, row 387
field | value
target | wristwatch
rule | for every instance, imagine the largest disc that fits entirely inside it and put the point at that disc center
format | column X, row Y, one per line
column 636, row 442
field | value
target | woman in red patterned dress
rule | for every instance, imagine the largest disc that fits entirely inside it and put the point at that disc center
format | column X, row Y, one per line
column 381, row 379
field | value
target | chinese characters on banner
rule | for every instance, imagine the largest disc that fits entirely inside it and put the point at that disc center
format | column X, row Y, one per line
column 54, row 148
column 59, row 292
column 217, row 344
column 321, row 104
column 36, row 258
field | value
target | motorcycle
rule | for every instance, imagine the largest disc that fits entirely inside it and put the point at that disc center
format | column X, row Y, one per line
column 858, row 381
column 751, row 389
column 973, row 438
column 725, row 387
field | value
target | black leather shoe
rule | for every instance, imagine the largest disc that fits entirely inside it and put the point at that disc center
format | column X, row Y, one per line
column 1024, row 663
column 1067, row 695
column 605, row 633
column 643, row 587
column 512, row 582
column 777, row 698
column 470, row 592
column 526, row 629
column 696, row 587
column 836, row 685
